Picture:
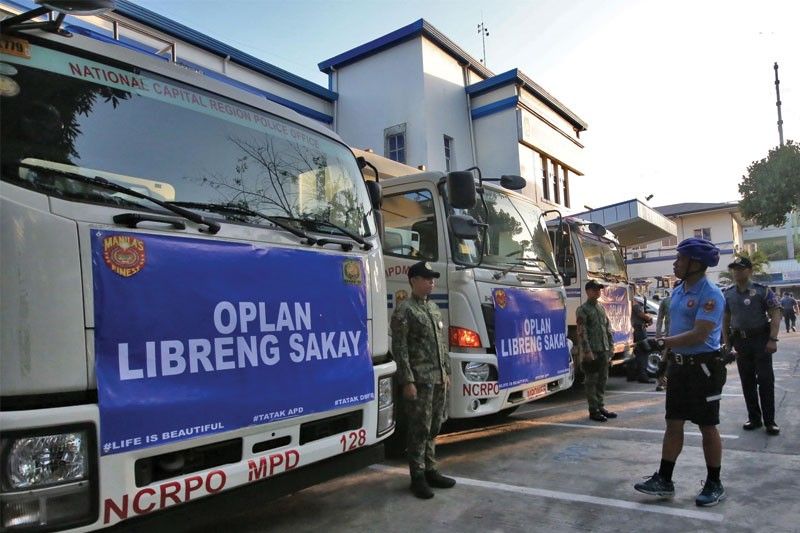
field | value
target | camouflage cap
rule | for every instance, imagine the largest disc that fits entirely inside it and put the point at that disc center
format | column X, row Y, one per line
column 422, row 269
column 741, row 262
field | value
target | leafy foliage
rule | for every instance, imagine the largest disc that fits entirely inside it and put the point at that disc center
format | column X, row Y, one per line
column 771, row 189
column 759, row 260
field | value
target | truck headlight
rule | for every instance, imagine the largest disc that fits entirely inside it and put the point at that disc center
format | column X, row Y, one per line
column 385, row 405
column 48, row 477
column 35, row 462
column 477, row 371
column 385, row 392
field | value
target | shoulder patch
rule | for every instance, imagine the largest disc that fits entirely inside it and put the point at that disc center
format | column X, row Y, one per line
column 709, row 305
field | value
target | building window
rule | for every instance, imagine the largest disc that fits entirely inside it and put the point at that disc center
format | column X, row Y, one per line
column 449, row 155
column 395, row 143
column 669, row 242
column 703, row 233
column 545, row 178
column 410, row 222
column 565, row 183
column 556, row 184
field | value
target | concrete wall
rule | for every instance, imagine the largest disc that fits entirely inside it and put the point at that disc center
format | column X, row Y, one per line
column 726, row 232
column 496, row 143
column 446, row 109
column 381, row 91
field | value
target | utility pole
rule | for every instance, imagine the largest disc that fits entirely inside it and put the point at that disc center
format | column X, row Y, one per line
column 484, row 32
column 778, row 103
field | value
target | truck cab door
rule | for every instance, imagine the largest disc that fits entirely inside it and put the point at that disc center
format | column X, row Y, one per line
column 413, row 221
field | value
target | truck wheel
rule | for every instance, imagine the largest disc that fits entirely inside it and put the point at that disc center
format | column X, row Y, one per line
column 395, row 446
column 505, row 413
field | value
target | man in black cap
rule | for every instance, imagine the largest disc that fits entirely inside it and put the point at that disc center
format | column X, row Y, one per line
column 595, row 344
column 420, row 348
column 751, row 323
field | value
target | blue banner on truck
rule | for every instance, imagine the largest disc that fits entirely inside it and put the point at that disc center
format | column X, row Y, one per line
column 530, row 335
column 617, row 304
column 194, row 337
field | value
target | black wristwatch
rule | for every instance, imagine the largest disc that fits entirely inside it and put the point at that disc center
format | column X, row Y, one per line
column 775, row 339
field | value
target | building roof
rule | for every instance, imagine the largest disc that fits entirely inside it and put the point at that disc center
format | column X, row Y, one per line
column 516, row 76
column 632, row 221
column 406, row 33
column 673, row 210
column 170, row 27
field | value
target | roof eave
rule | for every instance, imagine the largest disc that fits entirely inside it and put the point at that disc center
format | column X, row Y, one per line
column 170, row 27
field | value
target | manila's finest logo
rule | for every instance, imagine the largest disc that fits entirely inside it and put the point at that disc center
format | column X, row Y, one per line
column 124, row 254
column 500, row 298
column 351, row 271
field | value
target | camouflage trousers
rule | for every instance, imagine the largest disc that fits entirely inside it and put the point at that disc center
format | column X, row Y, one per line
column 595, row 382
column 425, row 416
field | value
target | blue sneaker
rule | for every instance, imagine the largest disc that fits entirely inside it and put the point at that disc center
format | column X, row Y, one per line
column 713, row 492
column 656, row 486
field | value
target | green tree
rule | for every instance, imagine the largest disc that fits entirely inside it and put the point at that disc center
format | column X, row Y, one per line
column 759, row 260
column 771, row 189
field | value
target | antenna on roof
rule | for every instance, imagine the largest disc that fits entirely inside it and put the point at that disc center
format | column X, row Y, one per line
column 484, row 33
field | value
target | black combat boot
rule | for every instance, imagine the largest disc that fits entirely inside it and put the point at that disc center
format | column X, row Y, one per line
column 419, row 486
column 436, row 479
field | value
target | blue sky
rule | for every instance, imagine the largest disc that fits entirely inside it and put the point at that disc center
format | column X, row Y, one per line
column 679, row 95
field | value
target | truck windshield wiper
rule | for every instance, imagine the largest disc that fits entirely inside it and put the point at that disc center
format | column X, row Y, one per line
column 545, row 263
column 526, row 261
column 103, row 183
column 511, row 265
column 601, row 273
column 239, row 210
column 310, row 221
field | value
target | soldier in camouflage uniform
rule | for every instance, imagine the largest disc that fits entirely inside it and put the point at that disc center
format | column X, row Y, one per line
column 595, row 344
column 419, row 345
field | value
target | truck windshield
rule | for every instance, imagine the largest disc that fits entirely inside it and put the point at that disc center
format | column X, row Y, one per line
column 602, row 256
column 168, row 140
column 515, row 233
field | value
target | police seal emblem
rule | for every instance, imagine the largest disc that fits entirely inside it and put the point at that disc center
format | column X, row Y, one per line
column 747, row 301
column 124, row 254
column 351, row 270
column 710, row 305
column 690, row 304
column 500, row 298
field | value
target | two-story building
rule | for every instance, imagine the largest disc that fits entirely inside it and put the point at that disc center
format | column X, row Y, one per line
column 650, row 264
column 781, row 245
column 416, row 97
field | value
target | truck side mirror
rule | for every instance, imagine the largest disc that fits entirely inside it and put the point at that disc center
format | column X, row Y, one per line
column 375, row 194
column 463, row 226
column 461, row 190
column 597, row 229
column 512, row 182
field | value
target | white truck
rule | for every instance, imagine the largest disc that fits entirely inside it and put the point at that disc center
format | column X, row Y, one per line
column 500, row 294
column 588, row 251
column 192, row 290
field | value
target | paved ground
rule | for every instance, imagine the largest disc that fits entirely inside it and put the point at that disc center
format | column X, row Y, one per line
column 548, row 468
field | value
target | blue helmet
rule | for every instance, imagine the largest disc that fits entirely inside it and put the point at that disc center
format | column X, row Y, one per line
column 700, row 250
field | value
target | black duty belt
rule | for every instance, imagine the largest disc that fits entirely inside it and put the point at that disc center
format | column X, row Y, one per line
column 750, row 333
column 695, row 359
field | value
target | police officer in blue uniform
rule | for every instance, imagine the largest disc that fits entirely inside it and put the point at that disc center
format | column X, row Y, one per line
column 751, row 324
column 696, row 371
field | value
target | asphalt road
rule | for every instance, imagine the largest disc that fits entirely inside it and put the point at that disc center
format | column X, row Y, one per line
column 548, row 468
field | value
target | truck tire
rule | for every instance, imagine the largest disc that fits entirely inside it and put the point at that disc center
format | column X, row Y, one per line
column 395, row 446
column 505, row 413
